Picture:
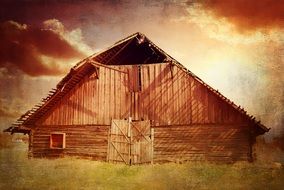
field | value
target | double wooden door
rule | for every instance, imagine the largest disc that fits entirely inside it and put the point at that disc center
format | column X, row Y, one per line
column 130, row 142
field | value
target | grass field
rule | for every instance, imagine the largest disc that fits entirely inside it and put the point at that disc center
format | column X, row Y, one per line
column 19, row 172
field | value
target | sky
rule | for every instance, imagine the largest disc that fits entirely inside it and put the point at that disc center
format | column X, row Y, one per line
column 236, row 46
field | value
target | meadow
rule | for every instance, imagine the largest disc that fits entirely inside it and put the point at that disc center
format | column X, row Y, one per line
column 19, row 172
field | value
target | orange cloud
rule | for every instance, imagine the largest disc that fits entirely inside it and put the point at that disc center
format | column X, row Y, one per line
column 248, row 15
column 28, row 49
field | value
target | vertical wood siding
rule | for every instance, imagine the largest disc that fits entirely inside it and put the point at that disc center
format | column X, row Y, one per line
column 93, row 101
column 170, row 96
column 167, row 96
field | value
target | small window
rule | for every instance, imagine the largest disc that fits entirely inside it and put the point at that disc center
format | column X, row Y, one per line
column 57, row 140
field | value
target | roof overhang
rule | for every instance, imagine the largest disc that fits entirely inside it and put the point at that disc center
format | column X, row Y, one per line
column 17, row 129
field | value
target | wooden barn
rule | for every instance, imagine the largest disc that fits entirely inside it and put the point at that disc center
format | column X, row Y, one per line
column 134, row 104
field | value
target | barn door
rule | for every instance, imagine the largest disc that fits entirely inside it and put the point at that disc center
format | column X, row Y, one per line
column 119, row 142
column 141, row 142
column 130, row 142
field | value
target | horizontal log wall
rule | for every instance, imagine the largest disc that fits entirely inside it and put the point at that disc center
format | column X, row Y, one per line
column 82, row 141
column 217, row 143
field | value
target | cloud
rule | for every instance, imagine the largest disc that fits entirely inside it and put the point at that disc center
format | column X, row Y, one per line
column 248, row 15
column 6, row 113
column 38, row 51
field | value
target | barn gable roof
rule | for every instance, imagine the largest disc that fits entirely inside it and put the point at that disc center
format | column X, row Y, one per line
column 135, row 49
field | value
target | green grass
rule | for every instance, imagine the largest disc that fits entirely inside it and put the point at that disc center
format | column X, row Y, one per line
column 19, row 172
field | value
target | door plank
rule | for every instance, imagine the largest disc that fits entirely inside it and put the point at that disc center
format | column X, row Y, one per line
column 119, row 153
column 130, row 142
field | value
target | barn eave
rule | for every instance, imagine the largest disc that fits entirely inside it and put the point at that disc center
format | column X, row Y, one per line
column 18, row 129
